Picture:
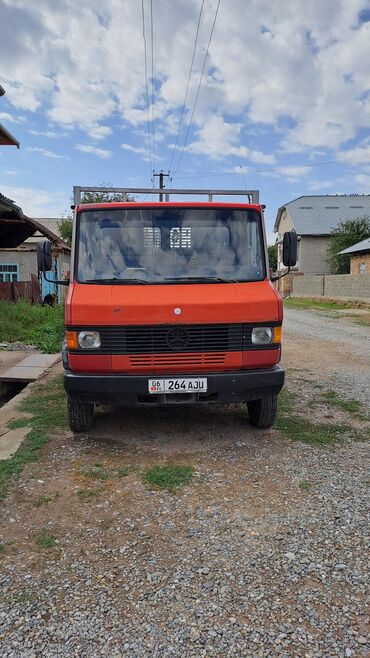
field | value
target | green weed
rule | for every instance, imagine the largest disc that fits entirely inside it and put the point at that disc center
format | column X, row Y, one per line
column 122, row 472
column 332, row 398
column 45, row 538
column 44, row 500
column 96, row 473
column 88, row 494
column 306, row 485
column 47, row 407
column 168, row 477
column 41, row 326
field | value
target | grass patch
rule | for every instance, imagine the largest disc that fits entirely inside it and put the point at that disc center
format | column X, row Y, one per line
column 45, row 538
column 318, row 304
column 88, row 494
column 18, row 422
column 41, row 326
column 47, row 407
column 306, row 485
column 168, row 477
column 297, row 428
column 44, row 500
column 332, row 399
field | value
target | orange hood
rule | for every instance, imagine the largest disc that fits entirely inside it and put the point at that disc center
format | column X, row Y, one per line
column 91, row 305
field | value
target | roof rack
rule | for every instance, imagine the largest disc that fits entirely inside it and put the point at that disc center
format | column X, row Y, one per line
column 253, row 195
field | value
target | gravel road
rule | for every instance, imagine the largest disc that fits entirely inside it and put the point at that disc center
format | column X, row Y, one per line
column 263, row 555
column 334, row 348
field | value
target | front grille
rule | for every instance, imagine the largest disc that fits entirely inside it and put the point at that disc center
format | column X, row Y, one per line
column 174, row 339
column 155, row 360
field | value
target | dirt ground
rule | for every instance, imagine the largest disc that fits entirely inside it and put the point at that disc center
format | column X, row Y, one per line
column 262, row 554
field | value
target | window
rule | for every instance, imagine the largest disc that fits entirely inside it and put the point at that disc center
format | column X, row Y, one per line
column 168, row 244
column 362, row 268
column 8, row 272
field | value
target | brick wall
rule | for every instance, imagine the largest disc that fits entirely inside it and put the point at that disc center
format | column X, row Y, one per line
column 362, row 260
column 333, row 286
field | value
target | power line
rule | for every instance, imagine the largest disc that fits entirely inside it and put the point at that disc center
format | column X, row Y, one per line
column 243, row 177
column 262, row 171
column 152, row 55
column 147, row 92
column 188, row 84
column 199, row 86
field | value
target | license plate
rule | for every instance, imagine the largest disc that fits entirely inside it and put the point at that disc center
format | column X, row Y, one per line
column 194, row 385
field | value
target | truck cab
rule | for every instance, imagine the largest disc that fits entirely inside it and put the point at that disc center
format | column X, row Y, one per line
column 171, row 303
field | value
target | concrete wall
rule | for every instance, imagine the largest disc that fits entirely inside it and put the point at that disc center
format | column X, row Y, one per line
column 26, row 261
column 333, row 286
column 312, row 254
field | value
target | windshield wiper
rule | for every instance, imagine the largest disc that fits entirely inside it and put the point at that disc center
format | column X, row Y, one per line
column 115, row 280
column 203, row 279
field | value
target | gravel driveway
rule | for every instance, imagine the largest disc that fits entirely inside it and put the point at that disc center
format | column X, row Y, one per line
column 335, row 349
column 263, row 554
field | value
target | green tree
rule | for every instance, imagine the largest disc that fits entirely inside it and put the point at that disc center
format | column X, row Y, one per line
column 65, row 229
column 348, row 233
column 65, row 224
column 272, row 249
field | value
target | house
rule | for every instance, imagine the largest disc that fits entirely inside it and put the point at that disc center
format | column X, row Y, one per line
column 360, row 257
column 19, row 236
column 314, row 218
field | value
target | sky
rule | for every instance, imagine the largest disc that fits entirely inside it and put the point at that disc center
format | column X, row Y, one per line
column 264, row 94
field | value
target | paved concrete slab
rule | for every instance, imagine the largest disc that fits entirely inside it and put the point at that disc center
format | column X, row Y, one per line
column 29, row 369
column 10, row 359
column 20, row 374
column 39, row 360
column 11, row 440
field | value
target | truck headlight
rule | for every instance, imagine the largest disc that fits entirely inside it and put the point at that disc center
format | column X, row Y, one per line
column 261, row 335
column 89, row 340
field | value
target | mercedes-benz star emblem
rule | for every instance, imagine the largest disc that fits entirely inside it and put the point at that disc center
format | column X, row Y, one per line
column 177, row 338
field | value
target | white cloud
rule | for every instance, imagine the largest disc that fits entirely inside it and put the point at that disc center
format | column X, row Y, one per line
column 45, row 152
column 5, row 116
column 88, row 148
column 11, row 172
column 135, row 149
column 320, row 185
column 219, row 139
column 37, row 202
column 304, row 69
column 47, row 133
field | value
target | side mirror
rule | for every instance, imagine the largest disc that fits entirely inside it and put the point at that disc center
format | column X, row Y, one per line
column 44, row 256
column 290, row 249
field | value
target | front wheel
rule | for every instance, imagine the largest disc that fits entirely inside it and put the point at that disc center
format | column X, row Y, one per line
column 262, row 413
column 80, row 414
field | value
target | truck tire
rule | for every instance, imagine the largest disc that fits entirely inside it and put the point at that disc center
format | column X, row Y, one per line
column 262, row 413
column 80, row 414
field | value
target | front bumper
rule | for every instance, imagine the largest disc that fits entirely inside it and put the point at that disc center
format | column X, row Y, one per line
column 132, row 390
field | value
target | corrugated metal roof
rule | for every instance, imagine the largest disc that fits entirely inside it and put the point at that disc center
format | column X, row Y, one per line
column 364, row 245
column 319, row 215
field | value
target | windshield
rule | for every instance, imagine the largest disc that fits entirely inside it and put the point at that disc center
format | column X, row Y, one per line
column 167, row 245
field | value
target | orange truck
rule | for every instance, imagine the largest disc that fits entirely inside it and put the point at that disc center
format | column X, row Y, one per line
column 171, row 303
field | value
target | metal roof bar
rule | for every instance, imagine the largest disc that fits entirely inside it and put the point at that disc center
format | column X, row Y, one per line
column 253, row 195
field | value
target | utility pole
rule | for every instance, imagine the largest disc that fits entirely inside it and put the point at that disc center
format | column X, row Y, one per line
column 161, row 176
